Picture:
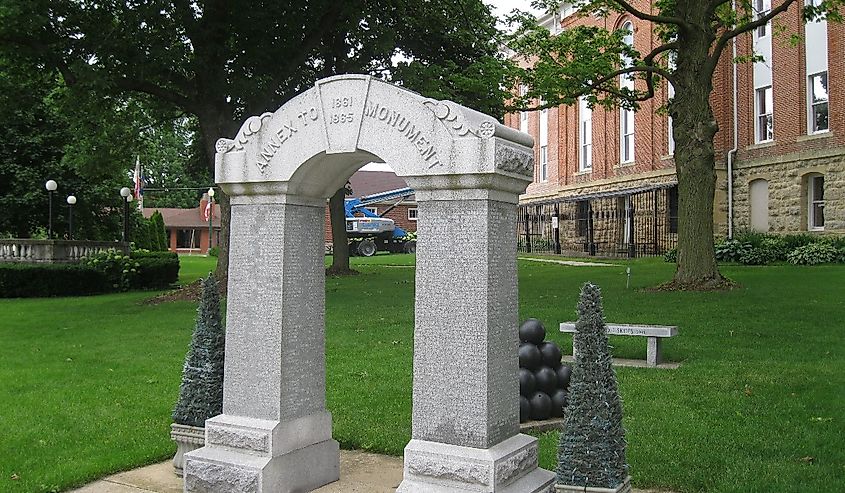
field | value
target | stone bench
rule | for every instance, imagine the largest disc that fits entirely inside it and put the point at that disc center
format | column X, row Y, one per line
column 654, row 333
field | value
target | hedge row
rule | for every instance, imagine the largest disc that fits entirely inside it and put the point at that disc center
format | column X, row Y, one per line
column 752, row 248
column 111, row 272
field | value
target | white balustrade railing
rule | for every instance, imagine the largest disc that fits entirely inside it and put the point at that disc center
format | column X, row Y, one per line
column 54, row 251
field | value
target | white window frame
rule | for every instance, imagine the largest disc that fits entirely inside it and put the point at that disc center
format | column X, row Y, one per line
column 813, row 202
column 372, row 209
column 585, row 118
column 761, row 9
column 670, row 90
column 523, row 115
column 412, row 213
column 544, row 145
column 626, row 81
column 812, row 104
column 760, row 101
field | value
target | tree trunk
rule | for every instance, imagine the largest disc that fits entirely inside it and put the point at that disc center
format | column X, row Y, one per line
column 214, row 124
column 694, row 129
column 340, row 243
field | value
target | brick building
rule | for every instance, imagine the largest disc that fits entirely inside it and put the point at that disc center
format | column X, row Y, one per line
column 187, row 229
column 606, row 178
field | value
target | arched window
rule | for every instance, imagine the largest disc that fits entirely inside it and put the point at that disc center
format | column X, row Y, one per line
column 626, row 116
column 758, row 199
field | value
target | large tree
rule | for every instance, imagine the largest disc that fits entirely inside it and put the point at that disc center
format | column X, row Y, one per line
column 222, row 61
column 693, row 36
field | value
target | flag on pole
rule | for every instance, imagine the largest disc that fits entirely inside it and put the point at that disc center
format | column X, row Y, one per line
column 207, row 212
column 137, row 178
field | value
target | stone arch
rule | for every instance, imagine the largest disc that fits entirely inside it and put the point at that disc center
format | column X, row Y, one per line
column 467, row 169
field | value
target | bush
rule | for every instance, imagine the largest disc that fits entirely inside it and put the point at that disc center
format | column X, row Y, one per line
column 214, row 251
column 156, row 272
column 120, row 270
column 756, row 256
column 731, row 250
column 671, row 256
column 20, row 280
column 139, row 270
column 814, row 253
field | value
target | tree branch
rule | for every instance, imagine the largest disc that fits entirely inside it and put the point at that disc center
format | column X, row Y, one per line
column 659, row 19
column 179, row 100
column 744, row 28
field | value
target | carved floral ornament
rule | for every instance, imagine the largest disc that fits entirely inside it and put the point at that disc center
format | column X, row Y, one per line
column 454, row 119
column 251, row 126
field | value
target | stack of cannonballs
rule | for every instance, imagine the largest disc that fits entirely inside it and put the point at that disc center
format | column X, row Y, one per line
column 543, row 380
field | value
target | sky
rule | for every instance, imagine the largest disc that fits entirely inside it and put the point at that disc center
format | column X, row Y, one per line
column 500, row 8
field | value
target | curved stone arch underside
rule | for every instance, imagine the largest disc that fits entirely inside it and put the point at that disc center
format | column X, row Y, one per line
column 467, row 170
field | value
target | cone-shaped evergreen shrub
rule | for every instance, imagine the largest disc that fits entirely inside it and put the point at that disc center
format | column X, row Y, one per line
column 592, row 445
column 161, row 240
column 201, row 392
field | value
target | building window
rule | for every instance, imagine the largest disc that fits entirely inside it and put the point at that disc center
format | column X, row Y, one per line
column 815, row 203
column 544, row 145
column 374, row 210
column 626, row 117
column 582, row 218
column 187, row 238
column 627, row 136
column 544, row 163
column 585, row 115
column 818, row 100
column 523, row 115
column 412, row 214
column 758, row 191
column 672, row 208
column 761, row 9
column 765, row 120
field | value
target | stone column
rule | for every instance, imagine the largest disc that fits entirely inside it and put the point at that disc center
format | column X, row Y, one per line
column 465, row 434
column 274, row 434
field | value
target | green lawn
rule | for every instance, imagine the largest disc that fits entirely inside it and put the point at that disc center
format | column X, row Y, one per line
column 87, row 384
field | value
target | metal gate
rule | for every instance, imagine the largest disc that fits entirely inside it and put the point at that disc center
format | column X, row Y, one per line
column 621, row 224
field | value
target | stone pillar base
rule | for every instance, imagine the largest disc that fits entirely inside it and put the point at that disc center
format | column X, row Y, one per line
column 508, row 467
column 247, row 455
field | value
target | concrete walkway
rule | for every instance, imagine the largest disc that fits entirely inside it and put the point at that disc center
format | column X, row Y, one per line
column 360, row 472
column 571, row 263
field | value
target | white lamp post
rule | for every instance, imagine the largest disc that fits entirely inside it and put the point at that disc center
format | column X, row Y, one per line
column 71, row 200
column 51, row 187
column 127, row 197
column 210, row 216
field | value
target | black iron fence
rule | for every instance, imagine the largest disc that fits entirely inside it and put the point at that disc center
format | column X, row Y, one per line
column 622, row 224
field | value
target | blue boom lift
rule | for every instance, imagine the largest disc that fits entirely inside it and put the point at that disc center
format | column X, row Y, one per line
column 372, row 232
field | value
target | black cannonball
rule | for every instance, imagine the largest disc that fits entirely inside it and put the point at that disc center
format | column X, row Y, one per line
column 563, row 374
column 551, row 353
column 527, row 383
column 541, row 406
column 529, row 356
column 559, row 400
column 532, row 331
column 546, row 379
column 524, row 409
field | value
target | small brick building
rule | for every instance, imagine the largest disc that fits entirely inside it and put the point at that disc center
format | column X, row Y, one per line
column 188, row 228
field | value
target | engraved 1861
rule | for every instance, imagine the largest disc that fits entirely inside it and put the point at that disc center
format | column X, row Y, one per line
column 343, row 104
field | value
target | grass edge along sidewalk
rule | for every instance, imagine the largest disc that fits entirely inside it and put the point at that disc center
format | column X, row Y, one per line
column 87, row 384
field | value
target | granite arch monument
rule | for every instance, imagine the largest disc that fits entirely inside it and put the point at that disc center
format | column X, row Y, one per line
column 467, row 169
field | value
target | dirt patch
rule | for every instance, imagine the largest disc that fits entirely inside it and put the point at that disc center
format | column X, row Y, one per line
column 189, row 292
